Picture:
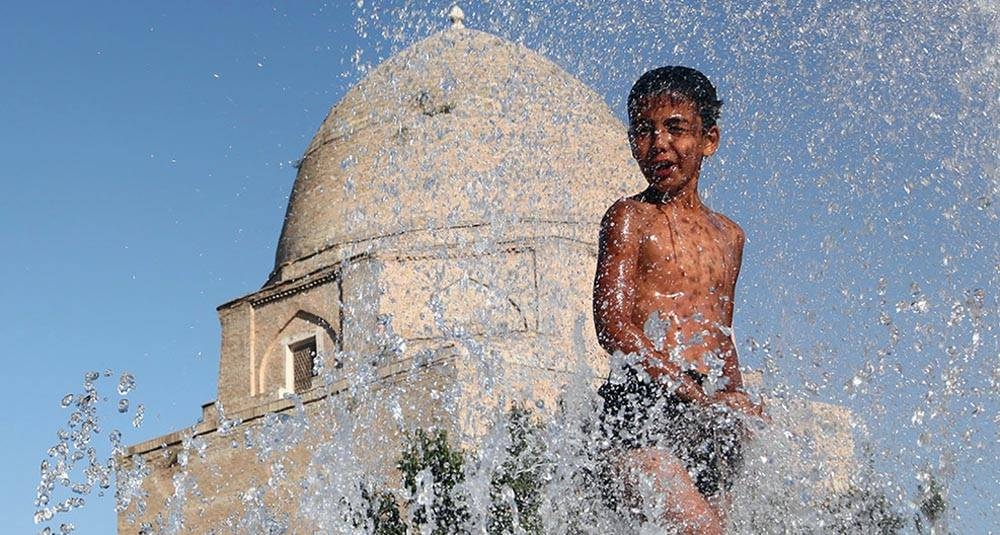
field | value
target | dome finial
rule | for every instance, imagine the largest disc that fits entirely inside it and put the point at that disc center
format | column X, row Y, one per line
column 457, row 17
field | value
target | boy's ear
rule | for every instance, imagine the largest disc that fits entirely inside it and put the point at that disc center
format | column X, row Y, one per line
column 710, row 141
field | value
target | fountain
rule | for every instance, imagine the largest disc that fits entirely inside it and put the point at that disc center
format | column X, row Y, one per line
column 432, row 269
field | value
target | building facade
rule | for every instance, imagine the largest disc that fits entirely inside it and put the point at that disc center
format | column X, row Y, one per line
column 435, row 264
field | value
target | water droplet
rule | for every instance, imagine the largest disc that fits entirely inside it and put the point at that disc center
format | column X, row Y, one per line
column 126, row 383
column 140, row 412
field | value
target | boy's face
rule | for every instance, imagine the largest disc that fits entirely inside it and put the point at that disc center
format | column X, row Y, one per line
column 668, row 142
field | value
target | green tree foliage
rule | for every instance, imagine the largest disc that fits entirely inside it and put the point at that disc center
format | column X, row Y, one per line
column 932, row 506
column 429, row 459
column 381, row 515
column 516, row 486
column 861, row 510
column 433, row 470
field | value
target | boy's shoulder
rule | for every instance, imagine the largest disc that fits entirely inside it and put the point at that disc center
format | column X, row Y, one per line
column 626, row 206
column 625, row 220
column 726, row 226
column 628, row 213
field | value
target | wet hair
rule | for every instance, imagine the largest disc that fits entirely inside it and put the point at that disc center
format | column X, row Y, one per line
column 683, row 82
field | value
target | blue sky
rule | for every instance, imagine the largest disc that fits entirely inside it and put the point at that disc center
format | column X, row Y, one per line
column 148, row 155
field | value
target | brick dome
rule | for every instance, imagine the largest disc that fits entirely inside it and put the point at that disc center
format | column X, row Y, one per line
column 461, row 129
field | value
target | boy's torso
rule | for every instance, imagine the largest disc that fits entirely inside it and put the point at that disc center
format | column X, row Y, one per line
column 688, row 260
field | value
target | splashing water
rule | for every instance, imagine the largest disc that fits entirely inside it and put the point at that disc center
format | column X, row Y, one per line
column 78, row 466
column 860, row 155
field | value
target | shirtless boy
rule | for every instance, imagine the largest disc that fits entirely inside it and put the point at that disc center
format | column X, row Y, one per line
column 663, row 297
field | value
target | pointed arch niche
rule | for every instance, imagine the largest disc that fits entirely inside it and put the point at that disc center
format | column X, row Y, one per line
column 288, row 363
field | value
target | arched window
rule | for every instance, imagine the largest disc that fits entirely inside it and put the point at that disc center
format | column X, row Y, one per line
column 303, row 363
column 295, row 355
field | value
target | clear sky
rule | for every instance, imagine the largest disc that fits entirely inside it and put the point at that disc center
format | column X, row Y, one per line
column 148, row 154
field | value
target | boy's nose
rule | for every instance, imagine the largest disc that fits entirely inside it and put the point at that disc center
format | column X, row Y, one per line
column 662, row 138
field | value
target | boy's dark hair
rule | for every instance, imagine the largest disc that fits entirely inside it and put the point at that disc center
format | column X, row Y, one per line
column 683, row 82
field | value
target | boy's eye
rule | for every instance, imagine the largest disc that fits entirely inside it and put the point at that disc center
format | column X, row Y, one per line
column 677, row 130
column 642, row 130
column 673, row 130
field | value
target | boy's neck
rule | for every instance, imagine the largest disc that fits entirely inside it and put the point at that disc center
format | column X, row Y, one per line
column 686, row 198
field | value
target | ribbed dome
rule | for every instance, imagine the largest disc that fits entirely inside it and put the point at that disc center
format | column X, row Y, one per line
column 462, row 128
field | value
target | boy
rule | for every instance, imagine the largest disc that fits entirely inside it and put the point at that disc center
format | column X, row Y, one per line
column 663, row 296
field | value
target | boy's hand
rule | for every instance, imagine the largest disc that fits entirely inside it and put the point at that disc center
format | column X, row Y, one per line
column 660, row 369
column 740, row 402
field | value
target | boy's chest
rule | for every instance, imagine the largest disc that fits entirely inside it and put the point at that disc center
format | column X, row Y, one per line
column 687, row 254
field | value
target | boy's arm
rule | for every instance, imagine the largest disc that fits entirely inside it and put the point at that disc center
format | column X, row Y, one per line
column 614, row 293
column 731, row 361
column 733, row 395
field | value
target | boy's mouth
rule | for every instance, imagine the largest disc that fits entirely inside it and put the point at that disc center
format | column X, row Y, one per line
column 662, row 168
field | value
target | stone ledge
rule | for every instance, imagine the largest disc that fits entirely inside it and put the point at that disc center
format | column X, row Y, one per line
column 437, row 238
column 387, row 375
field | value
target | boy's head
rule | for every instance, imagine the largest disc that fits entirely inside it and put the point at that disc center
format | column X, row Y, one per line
column 683, row 82
column 672, row 127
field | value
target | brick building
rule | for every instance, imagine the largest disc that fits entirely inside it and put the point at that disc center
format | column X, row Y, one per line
column 439, row 243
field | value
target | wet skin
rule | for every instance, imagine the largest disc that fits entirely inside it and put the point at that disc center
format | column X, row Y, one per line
column 664, row 252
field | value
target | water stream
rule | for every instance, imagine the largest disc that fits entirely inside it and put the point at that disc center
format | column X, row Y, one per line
column 859, row 154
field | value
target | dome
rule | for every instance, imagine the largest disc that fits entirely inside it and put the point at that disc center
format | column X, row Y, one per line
column 461, row 129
